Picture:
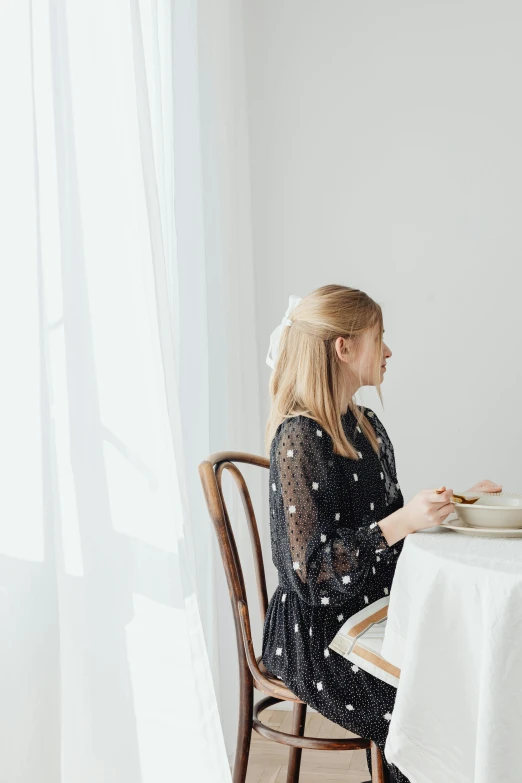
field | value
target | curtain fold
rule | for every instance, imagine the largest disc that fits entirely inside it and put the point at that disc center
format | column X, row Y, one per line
column 128, row 341
column 219, row 378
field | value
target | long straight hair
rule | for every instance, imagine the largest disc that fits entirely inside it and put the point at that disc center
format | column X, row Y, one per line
column 307, row 379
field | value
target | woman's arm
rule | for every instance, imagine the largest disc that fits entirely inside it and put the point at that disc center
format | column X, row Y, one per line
column 426, row 509
column 329, row 558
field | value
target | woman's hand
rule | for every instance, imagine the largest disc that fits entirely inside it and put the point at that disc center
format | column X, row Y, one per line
column 427, row 509
column 485, row 486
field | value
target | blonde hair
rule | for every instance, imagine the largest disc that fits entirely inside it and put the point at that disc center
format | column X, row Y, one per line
column 307, row 379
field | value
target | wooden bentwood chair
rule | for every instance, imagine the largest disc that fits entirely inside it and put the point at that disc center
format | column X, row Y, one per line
column 251, row 668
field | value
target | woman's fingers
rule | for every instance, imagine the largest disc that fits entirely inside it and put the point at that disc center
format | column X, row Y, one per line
column 443, row 513
column 441, row 496
column 429, row 507
column 482, row 486
column 486, row 486
column 489, row 486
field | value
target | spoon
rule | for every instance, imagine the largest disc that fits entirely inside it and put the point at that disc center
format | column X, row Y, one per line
column 458, row 498
column 462, row 499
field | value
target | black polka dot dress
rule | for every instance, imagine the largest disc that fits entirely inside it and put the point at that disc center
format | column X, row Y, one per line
column 332, row 561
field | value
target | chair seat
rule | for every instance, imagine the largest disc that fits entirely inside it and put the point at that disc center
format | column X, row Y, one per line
column 283, row 692
column 264, row 670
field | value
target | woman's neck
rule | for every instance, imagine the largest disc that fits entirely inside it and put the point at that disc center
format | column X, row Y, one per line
column 346, row 398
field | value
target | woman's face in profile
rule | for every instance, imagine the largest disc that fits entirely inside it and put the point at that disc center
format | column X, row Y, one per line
column 362, row 361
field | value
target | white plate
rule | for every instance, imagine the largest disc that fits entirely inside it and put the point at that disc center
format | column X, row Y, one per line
column 488, row 532
column 501, row 511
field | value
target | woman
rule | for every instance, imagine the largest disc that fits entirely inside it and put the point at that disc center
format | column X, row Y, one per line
column 337, row 516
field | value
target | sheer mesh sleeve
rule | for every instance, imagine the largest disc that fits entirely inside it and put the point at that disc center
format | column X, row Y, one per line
column 394, row 498
column 330, row 555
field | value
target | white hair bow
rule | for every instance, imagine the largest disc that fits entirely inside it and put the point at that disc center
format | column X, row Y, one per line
column 276, row 334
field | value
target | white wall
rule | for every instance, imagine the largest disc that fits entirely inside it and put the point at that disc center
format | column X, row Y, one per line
column 386, row 154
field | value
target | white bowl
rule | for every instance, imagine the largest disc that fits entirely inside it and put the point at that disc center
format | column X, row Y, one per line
column 492, row 511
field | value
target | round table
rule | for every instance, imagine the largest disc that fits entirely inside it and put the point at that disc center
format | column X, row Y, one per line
column 454, row 629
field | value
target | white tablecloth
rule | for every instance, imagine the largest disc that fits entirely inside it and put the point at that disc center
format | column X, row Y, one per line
column 455, row 630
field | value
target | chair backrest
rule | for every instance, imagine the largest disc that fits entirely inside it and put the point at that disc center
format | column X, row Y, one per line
column 211, row 472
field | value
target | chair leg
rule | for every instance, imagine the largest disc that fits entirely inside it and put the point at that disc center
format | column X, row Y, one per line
column 244, row 728
column 378, row 774
column 294, row 755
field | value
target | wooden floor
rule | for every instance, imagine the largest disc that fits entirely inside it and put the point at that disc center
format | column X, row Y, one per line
column 268, row 760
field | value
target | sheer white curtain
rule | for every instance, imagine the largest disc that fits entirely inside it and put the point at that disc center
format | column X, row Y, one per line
column 125, row 234
column 219, row 352
column 219, row 380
